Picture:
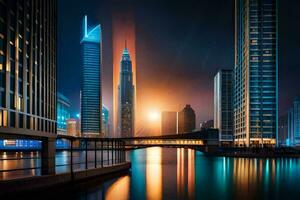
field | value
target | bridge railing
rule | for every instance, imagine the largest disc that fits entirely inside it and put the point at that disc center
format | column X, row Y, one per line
column 80, row 154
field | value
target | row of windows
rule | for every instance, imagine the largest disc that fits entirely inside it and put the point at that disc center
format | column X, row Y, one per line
column 31, row 122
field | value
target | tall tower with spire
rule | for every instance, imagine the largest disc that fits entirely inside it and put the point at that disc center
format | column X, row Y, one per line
column 126, row 97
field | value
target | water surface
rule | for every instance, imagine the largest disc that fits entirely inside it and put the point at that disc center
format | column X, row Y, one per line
column 169, row 173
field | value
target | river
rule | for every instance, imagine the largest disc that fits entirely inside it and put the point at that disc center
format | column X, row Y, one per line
column 170, row 173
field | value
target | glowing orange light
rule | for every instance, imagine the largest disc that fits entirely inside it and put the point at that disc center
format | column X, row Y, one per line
column 154, row 116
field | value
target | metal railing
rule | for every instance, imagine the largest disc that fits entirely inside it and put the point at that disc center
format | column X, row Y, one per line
column 81, row 154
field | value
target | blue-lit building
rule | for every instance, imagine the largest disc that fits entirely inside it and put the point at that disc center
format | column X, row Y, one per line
column 20, row 145
column 126, row 97
column 293, row 124
column 91, row 101
column 105, row 121
column 63, row 113
column 256, row 73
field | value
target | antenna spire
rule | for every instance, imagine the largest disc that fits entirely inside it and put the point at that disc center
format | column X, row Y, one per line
column 125, row 44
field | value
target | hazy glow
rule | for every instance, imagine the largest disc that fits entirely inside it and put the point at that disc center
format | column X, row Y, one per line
column 154, row 116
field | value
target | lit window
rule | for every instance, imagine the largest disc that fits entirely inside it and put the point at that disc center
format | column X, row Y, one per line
column 19, row 103
column 0, row 117
column 4, row 117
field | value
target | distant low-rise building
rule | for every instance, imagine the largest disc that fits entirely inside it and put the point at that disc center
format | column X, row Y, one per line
column 72, row 127
column 207, row 124
column 105, row 121
column 186, row 120
column 293, row 138
column 168, row 122
column 63, row 113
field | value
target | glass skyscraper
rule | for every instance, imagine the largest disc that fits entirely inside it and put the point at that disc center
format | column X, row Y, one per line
column 28, row 67
column 126, row 97
column 91, row 99
column 223, row 112
column 256, row 73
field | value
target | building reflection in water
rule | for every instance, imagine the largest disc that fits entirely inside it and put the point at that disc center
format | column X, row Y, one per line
column 191, row 174
column 249, row 173
column 119, row 189
column 154, row 173
column 185, row 173
column 180, row 172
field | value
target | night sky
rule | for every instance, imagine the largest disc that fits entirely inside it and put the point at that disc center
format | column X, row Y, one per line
column 180, row 46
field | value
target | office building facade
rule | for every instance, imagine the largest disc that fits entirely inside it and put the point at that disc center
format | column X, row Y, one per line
column 91, row 97
column 223, row 110
column 256, row 73
column 186, row 120
column 28, row 34
column 63, row 113
column 126, row 97
column 168, row 123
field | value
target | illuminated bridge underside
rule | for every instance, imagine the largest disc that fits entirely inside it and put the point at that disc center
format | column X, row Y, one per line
column 165, row 142
column 196, row 139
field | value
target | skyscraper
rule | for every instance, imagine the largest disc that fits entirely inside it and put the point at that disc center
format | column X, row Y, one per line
column 28, row 67
column 28, row 35
column 91, row 101
column 168, row 123
column 186, row 120
column 126, row 97
column 123, row 28
column 223, row 117
column 256, row 72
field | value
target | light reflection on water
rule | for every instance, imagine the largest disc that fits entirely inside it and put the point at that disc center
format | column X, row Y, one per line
column 170, row 173
column 167, row 173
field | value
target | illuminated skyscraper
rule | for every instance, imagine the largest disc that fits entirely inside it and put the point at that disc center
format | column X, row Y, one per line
column 91, row 101
column 126, row 97
column 223, row 117
column 123, row 28
column 256, row 72
column 28, row 67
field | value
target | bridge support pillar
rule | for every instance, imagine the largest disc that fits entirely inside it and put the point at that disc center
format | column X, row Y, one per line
column 48, row 156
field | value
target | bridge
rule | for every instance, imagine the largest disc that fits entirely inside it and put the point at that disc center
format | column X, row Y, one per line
column 203, row 139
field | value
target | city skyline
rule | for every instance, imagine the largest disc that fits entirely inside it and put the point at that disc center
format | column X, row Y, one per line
column 175, row 97
column 193, row 56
